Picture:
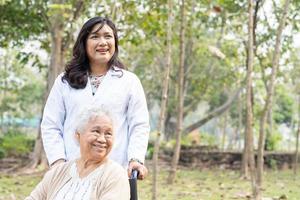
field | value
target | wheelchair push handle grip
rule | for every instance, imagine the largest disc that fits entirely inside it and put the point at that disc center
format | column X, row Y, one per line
column 134, row 174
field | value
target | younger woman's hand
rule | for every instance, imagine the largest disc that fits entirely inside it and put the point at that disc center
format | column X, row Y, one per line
column 135, row 165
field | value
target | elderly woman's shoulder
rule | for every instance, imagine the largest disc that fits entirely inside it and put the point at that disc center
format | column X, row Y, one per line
column 61, row 167
column 57, row 172
column 116, row 168
column 114, row 165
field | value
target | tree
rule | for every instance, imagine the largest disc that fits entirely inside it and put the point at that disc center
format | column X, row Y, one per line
column 42, row 17
column 248, row 156
column 176, row 154
column 202, row 64
column 268, row 101
column 16, row 28
column 56, row 22
column 297, row 139
column 163, row 106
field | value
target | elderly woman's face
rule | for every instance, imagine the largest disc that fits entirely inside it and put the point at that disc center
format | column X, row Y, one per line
column 97, row 140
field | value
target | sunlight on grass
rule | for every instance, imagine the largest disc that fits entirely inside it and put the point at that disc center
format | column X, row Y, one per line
column 218, row 184
column 17, row 187
column 189, row 185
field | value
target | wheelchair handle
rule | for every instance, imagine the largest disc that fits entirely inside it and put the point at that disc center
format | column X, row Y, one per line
column 134, row 174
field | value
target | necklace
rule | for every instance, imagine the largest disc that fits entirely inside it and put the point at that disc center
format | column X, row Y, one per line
column 96, row 81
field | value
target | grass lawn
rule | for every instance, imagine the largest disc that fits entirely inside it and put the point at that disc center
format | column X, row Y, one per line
column 190, row 184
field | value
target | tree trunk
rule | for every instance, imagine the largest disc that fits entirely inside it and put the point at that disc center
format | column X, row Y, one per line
column 248, row 157
column 58, row 46
column 4, row 90
column 240, row 123
column 175, row 158
column 55, row 67
column 167, row 122
column 224, row 130
column 297, row 140
column 161, row 121
column 270, row 115
column 268, row 103
column 269, row 129
column 170, row 125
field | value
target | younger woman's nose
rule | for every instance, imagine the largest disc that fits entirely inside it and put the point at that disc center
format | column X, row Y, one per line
column 101, row 41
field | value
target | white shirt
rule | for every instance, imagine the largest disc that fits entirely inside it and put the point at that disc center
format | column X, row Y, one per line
column 124, row 98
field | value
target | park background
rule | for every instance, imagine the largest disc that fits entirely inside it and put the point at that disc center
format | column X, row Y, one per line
column 221, row 78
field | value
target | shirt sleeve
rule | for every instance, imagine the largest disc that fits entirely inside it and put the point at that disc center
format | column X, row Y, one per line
column 52, row 123
column 40, row 191
column 138, row 122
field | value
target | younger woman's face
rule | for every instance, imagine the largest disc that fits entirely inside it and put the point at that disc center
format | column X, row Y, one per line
column 100, row 45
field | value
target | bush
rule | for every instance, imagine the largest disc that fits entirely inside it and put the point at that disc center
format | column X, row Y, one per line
column 2, row 153
column 272, row 163
column 273, row 141
column 208, row 139
column 168, row 145
column 15, row 144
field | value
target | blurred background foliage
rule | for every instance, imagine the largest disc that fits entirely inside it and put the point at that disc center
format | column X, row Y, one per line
column 215, row 67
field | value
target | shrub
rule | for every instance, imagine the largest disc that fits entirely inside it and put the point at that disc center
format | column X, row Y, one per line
column 273, row 141
column 208, row 139
column 272, row 163
column 2, row 153
column 16, row 144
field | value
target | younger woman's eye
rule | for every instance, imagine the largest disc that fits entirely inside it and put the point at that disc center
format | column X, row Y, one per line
column 94, row 36
column 108, row 36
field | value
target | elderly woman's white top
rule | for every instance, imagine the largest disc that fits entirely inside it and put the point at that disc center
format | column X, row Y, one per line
column 78, row 188
column 122, row 96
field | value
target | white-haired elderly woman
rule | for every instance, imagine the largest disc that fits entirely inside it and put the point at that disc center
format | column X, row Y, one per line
column 93, row 175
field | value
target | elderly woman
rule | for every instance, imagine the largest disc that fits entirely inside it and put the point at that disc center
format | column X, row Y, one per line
column 93, row 175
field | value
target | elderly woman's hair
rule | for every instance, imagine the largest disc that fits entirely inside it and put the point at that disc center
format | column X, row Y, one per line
column 90, row 113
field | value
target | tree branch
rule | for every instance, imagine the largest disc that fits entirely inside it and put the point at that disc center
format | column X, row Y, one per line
column 214, row 113
column 262, row 72
column 255, row 24
column 77, row 10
